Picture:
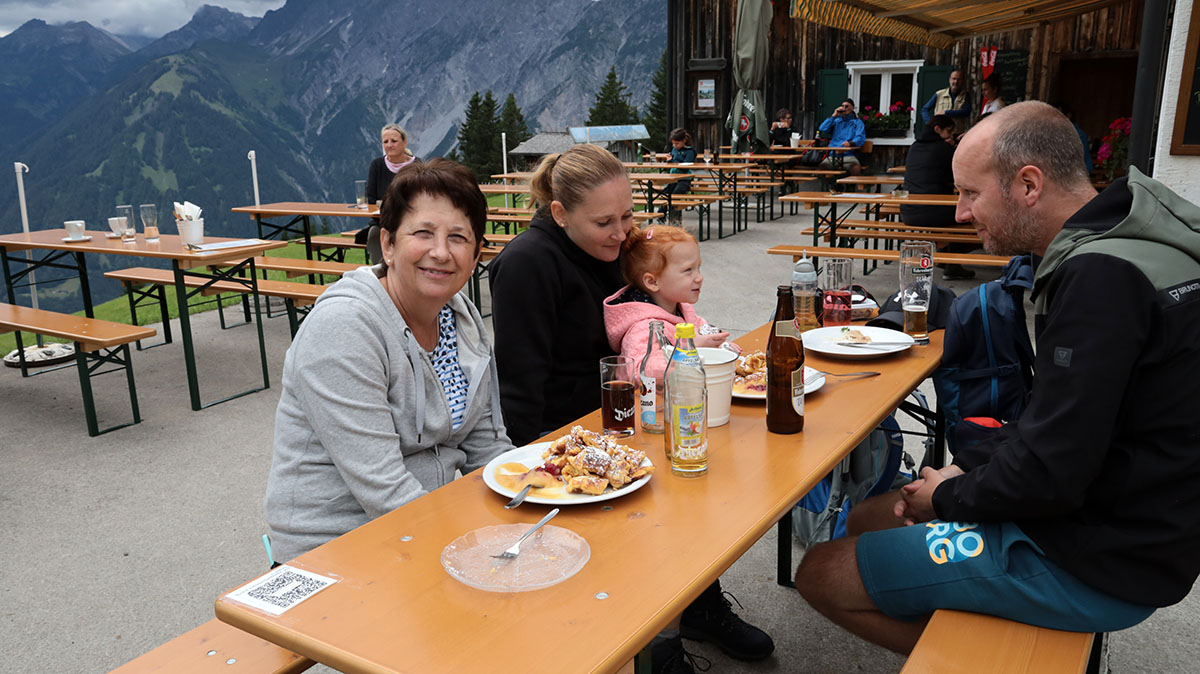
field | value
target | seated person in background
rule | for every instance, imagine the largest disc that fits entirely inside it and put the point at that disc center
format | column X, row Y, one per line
column 845, row 129
column 929, row 170
column 1082, row 514
column 682, row 152
column 991, row 93
column 395, row 157
column 782, row 129
column 1083, row 137
column 390, row 385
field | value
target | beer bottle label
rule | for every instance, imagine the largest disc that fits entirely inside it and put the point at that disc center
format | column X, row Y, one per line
column 786, row 329
column 647, row 401
column 798, row 390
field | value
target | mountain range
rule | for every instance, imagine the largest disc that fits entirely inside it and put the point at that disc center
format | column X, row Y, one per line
column 307, row 87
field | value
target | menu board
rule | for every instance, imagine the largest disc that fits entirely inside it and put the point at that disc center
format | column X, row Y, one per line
column 1013, row 68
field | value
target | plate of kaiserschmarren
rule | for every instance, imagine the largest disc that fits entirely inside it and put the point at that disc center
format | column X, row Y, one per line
column 580, row 467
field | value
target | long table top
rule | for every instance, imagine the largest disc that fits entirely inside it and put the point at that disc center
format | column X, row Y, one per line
column 169, row 246
column 652, row 551
column 308, row 208
column 885, row 199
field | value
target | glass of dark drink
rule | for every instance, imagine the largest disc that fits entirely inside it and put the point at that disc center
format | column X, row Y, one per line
column 618, row 396
column 838, row 279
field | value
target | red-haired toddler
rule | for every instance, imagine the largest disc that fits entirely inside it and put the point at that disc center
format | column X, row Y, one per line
column 662, row 266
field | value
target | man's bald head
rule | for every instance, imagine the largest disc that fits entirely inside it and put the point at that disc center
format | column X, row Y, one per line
column 1030, row 133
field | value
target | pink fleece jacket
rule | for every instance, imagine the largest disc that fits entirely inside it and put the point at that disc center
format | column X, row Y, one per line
column 628, row 324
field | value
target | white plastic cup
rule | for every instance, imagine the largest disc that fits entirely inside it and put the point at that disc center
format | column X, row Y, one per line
column 795, row 140
column 192, row 231
column 718, row 378
column 74, row 229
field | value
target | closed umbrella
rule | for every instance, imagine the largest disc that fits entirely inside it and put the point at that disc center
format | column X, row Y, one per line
column 748, row 118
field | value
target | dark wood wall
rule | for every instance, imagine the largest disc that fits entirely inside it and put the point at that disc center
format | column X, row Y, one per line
column 701, row 34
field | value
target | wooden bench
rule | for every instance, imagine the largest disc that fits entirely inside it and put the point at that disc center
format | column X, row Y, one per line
column 881, row 233
column 972, row 643
column 886, row 255
column 294, row 294
column 97, row 343
column 339, row 245
column 217, row 648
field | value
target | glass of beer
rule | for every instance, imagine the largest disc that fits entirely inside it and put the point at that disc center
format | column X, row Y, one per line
column 618, row 398
column 839, row 275
column 916, row 284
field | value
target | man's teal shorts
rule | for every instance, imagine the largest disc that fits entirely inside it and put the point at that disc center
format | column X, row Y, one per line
column 995, row 569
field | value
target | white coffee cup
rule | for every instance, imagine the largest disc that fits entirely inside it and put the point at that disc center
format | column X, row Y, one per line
column 718, row 377
column 192, row 231
column 795, row 140
column 117, row 225
column 74, row 229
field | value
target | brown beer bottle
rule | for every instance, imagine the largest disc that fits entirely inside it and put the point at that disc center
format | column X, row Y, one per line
column 785, row 369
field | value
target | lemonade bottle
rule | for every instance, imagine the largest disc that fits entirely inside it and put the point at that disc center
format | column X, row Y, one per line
column 686, row 405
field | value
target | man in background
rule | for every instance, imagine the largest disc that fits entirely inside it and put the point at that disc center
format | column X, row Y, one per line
column 845, row 129
column 952, row 102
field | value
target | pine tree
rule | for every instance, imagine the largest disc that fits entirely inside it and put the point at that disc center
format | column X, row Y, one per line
column 655, row 114
column 478, row 137
column 512, row 123
column 612, row 106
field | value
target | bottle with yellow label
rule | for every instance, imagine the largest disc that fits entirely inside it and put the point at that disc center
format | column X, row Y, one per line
column 686, row 403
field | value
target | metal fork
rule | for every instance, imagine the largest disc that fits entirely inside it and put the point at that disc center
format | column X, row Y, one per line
column 820, row 373
column 515, row 549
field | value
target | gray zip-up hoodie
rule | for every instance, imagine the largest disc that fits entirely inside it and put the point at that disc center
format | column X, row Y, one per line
column 363, row 426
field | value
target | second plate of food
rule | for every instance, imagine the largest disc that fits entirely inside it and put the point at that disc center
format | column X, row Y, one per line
column 747, row 388
column 869, row 342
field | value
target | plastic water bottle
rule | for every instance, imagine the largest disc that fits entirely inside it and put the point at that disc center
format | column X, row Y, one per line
column 650, row 372
column 804, row 294
column 686, row 402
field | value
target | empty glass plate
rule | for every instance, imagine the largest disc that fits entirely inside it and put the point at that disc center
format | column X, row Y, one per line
column 550, row 556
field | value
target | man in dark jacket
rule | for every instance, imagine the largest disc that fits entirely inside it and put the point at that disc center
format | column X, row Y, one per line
column 1081, row 515
column 929, row 170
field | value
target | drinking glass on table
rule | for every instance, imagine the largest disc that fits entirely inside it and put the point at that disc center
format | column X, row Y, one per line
column 916, row 285
column 360, row 193
column 150, row 221
column 707, row 156
column 839, row 275
column 617, row 397
column 129, row 234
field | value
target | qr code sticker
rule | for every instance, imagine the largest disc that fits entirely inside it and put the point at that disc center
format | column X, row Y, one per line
column 281, row 589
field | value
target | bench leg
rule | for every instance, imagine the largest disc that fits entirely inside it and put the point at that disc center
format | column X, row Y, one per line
column 783, row 573
column 293, row 319
column 87, row 364
column 156, row 293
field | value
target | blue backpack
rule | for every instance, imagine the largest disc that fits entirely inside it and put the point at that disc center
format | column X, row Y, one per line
column 987, row 358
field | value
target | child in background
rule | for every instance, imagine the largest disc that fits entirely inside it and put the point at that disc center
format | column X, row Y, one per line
column 681, row 153
column 662, row 266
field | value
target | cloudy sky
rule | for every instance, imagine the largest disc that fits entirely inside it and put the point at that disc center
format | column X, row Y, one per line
column 152, row 18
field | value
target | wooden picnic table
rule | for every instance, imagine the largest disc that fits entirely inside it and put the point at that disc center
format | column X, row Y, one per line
column 828, row 221
column 653, row 551
column 47, row 248
column 300, row 213
column 871, row 181
column 896, row 169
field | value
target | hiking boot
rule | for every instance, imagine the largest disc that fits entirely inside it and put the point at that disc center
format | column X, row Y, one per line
column 711, row 618
column 667, row 656
column 957, row 272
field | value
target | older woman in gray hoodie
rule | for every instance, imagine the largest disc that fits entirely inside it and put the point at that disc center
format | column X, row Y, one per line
column 390, row 385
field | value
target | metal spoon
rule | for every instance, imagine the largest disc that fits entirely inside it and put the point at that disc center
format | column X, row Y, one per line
column 520, row 497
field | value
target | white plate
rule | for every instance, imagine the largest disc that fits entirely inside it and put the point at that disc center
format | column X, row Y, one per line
column 530, row 456
column 687, row 163
column 82, row 238
column 825, row 342
column 808, row 388
column 110, row 235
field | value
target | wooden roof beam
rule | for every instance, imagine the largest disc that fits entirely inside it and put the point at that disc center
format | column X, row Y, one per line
column 936, row 6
